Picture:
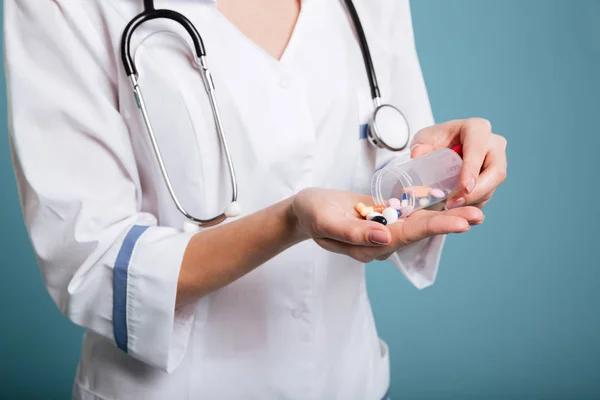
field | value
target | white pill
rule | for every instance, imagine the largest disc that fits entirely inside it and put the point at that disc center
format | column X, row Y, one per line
column 394, row 203
column 404, row 203
column 373, row 214
column 390, row 214
column 424, row 202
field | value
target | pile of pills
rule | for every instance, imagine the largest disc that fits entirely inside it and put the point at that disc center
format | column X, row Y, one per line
column 382, row 214
column 424, row 196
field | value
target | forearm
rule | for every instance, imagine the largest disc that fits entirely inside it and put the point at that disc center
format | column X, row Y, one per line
column 217, row 257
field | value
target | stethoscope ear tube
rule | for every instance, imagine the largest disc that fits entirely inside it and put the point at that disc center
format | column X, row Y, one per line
column 233, row 209
column 163, row 169
column 364, row 48
column 149, row 15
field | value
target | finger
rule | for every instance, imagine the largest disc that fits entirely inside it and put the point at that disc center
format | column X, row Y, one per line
column 406, row 232
column 421, row 149
column 353, row 231
column 426, row 223
column 481, row 204
column 385, row 256
column 472, row 215
column 435, row 137
column 414, row 230
column 364, row 254
column 475, row 136
column 493, row 175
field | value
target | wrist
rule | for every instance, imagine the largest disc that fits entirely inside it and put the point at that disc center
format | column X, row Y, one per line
column 293, row 228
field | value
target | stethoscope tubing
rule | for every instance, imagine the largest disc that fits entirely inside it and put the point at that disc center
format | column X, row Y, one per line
column 150, row 13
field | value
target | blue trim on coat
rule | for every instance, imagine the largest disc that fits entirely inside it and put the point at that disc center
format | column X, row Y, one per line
column 120, row 285
column 363, row 131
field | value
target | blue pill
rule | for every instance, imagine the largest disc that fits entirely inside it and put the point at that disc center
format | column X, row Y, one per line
column 404, row 196
column 399, row 213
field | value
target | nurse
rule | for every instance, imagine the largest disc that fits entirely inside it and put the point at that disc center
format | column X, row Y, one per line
column 271, row 305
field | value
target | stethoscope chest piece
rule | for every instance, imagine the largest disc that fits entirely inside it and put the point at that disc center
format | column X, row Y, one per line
column 388, row 128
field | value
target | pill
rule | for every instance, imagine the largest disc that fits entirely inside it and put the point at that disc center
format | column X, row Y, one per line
column 399, row 213
column 372, row 215
column 390, row 214
column 437, row 193
column 380, row 219
column 419, row 191
column 424, row 202
column 394, row 203
column 404, row 203
column 404, row 197
column 363, row 210
column 379, row 208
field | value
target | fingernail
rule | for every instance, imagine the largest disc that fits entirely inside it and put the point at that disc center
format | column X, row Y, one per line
column 379, row 237
column 478, row 222
column 414, row 150
column 470, row 185
column 454, row 203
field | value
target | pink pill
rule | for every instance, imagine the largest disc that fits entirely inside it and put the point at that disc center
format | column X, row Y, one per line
column 394, row 203
column 437, row 193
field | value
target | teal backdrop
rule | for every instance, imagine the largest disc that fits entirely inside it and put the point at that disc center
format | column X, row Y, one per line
column 515, row 313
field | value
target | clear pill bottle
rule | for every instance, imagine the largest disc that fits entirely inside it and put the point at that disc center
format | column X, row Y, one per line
column 417, row 183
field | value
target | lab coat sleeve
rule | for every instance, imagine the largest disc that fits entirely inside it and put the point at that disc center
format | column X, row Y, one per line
column 105, row 263
column 419, row 262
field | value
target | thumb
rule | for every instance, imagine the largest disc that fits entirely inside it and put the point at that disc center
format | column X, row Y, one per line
column 420, row 149
column 435, row 137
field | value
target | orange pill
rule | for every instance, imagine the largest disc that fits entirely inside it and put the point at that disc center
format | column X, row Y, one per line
column 362, row 209
column 359, row 207
column 379, row 209
column 366, row 211
column 418, row 191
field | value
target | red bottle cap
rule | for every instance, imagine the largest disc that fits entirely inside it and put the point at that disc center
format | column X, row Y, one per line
column 458, row 149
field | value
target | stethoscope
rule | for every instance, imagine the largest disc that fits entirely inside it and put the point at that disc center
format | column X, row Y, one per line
column 387, row 129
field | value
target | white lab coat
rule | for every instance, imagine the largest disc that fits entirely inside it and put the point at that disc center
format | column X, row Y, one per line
column 108, row 237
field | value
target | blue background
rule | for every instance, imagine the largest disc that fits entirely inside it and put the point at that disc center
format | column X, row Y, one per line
column 515, row 312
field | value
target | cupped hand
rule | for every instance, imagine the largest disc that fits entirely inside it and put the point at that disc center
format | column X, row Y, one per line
column 329, row 218
column 484, row 157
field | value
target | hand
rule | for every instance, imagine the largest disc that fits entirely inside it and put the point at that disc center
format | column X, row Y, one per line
column 329, row 218
column 484, row 157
